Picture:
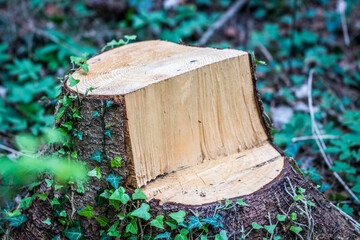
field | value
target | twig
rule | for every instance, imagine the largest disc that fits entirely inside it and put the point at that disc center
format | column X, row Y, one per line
column 6, row 148
column 266, row 52
column 353, row 222
column 341, row 7
column 320, row 142
column 270, row 58
column 221, row 21
column 303, row 138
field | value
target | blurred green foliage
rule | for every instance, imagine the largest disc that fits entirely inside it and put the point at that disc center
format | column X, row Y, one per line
column 22, row 170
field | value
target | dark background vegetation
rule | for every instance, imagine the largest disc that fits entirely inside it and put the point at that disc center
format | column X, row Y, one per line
column 293, row 37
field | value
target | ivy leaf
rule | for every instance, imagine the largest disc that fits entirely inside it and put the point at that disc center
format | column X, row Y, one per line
column 95, row 173
column 194, row 223
column 270, row 228
column 105, row 236
column 142, row 212
column 72, row 81
column 42, row 196
column 343, row 167
column 31, row 186
column 25, row 202
column 301, row 190
column 178, row 216
column 242, row 203
column 299, row 197
column 120, row 195
column 96, row 156
column 132, row 227
column 55, row 202
column 203, row 237
column 116, row 162
column 16, row 221
column 102, row 220
column 67, row 125
column 295, row 229
column 293, row 216
column 281, row 218
column 80, row 61
column 57, row 187
column 172, row 224
column 121, row 216
column 112, row 230
column 114, row 203
column 66, row 101
column 96, row 114
column 62, row 213
column 80, row 188
column 76, row 114
column 214, row 221
column 347, row 209
column 138, row 194
column 256, row 226
column 79, row 135
column 182, row 235
column 221, row 236
column 74, row 154
column 47, row 221
column 108, row 103
column 260, row 62
column 87, row 212
column 73, row 233
column 130, row 37
column 310, row 203
column 113, row 180
column 106, row 194
column 165, row 235
column 108, row 133
column 60, row 113
column 14, row 213
column 158, row 222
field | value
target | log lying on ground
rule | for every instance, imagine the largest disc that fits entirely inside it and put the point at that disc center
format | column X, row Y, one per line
column 189, row 126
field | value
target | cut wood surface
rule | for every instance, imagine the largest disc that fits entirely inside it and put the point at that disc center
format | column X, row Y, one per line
column 135, row 66
column 192, row 114
column 215, row 180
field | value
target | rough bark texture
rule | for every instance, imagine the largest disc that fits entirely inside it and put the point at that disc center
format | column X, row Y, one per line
column 265, row 203
column 94, row 139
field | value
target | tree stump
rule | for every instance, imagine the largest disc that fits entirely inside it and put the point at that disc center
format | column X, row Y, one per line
column 188, row 124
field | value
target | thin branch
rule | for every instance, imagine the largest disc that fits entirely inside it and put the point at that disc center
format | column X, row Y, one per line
column 221, row 21
column 303, row 138
column 355, row 224
column 270, row 58
column 341, row 7
column 8, row 149
column 320, row 142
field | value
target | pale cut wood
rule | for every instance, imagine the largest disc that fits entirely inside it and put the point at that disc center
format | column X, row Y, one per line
column 207, row 113
column 135, row 66
column 186, row 108
column 214, row 180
